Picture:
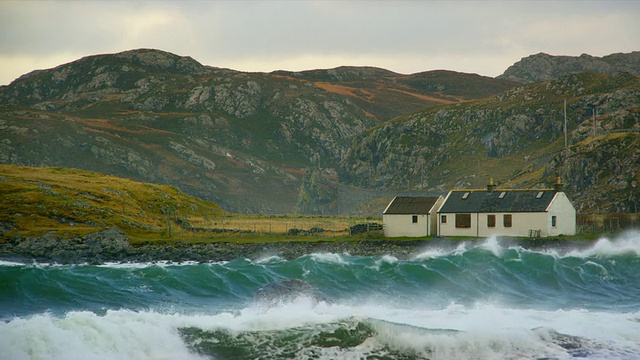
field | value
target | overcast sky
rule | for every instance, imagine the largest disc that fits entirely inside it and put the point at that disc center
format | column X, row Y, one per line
column 483, row 37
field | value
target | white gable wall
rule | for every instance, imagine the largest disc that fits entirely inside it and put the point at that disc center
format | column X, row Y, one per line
column 433, row 218
column 565, row 214
column 402, row 225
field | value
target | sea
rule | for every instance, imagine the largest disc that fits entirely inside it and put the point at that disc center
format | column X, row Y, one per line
column 480, row 299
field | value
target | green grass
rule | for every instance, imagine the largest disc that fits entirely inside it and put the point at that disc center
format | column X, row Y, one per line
column 74, row 202
column 71, row 202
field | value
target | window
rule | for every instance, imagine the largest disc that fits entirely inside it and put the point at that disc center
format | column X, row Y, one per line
column 491, row 221
column 465, row 195
column 463, row 220
column 443, row 219
column 414, row 219
column 506, row 220
column 553, row 221
column 502, row 194
column 539, row 195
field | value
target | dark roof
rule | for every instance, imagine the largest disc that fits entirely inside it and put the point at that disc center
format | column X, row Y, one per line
column 478, row 201
column 411, row 205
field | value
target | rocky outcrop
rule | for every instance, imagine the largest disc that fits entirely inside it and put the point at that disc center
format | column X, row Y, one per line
column 544, row 67
column 601, row 173
column 113, row 246
column 252, row 141
column 429, row 150
column 240, row 139
column 109, row 246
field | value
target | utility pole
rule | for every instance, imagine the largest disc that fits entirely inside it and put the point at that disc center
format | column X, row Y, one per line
column 565, row 123
column 594, row 121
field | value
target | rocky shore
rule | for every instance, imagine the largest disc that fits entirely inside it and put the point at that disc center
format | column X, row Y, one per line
column 113, row 246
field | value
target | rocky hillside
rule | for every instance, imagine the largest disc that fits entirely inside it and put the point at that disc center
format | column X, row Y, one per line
column 545, row 67
column 248, row 141
column 335, row 140
column 516, row 138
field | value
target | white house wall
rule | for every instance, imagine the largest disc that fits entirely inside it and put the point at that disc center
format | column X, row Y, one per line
column 402, row 225
column 521, row 223
column 565, row 214
column 448, row 228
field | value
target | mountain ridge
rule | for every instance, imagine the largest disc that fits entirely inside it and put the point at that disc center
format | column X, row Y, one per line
column 286, row 142
column 544, row 67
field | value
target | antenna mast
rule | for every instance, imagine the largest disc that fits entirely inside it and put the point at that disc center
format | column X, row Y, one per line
column 594, row 121
column 565, row 123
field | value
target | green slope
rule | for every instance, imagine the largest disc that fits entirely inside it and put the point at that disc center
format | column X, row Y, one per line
column 73, row 202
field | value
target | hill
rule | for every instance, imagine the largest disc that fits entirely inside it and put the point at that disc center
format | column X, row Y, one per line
column 516, row 138
column 248, row 141
column 70, row 202
column 544, row 67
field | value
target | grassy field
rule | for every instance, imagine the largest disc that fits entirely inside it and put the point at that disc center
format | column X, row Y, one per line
column 70, row 202
column 266, row 224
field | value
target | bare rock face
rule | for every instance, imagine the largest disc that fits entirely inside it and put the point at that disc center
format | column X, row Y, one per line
column 282, row 141
column 545, row 67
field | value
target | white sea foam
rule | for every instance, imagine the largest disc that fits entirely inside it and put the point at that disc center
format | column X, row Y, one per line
column 269, row 259
column 627, row 243
column 491, row 244
column 436, row 252
column 38, row 264
column 432, row 253
column 160, row 263
column 486, row 331
column 10, row 263
column 461, row 249
column 85, row 335
column 328, row 258
column 483, row 331
column 386, row 259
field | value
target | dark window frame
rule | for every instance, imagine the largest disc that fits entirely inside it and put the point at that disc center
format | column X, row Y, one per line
column 491, row 221
column 443, row 219
column 414, row 219
column 463, row 221
column 507, row 220
column 554, row 221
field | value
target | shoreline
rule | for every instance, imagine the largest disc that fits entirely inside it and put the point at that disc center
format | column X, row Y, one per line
column 112, row 246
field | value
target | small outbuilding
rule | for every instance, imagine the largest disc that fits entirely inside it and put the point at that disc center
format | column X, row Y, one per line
column 507, row 212
column 411, row 216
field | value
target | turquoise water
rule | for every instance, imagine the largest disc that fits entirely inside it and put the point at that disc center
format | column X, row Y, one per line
column 480, row 300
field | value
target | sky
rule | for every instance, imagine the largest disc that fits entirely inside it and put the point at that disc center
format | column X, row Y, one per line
column 482, row 37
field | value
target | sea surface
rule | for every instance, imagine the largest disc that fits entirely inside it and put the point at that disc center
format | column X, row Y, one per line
column 482, row 299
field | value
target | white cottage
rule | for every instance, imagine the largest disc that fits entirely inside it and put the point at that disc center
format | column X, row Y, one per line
column 507, row 212
column 411, row 216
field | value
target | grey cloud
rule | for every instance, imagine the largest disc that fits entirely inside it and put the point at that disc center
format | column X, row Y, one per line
column 222, row 33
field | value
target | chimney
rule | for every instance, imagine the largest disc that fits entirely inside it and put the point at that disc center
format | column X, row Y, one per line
column 558, row 185
column 490, row 186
